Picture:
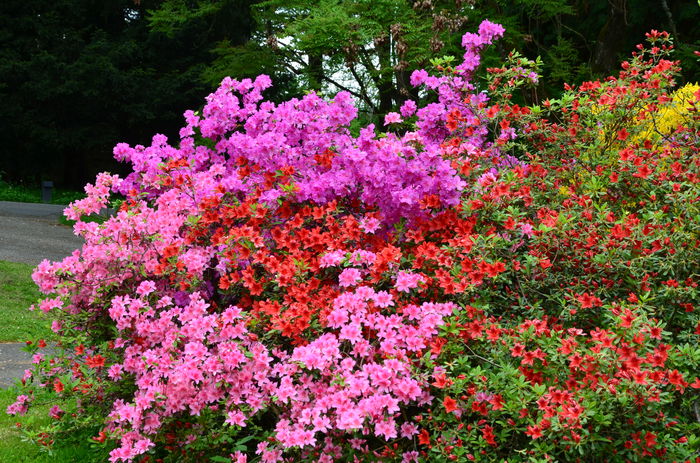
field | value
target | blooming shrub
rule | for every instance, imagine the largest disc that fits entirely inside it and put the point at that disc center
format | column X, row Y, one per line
column 490, row 282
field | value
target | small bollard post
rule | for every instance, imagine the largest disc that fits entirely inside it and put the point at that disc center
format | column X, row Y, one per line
column 46, row 189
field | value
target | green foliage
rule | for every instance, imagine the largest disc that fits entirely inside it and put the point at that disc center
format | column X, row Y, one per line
column 175, row 14
column 224, row 30
column 564, row 63
column 370, row 48
column 18, row 193
column 248, row 61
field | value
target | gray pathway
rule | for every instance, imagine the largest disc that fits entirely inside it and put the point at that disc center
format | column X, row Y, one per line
column 13, row 362
column 29, row 233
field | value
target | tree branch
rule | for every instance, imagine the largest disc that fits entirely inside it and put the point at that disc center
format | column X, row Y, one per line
column 294, row 57
column 671, row 23
column 363, row 89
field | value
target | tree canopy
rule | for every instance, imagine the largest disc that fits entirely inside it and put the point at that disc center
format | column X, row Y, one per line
column 371, row 47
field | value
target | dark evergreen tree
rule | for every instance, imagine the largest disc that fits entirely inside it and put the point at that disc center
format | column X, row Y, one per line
column 78, row 76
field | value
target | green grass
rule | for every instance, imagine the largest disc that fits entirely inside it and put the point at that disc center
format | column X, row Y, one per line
column 18, row 293
column 19, row 324
column 26, row 194
column 16, row 448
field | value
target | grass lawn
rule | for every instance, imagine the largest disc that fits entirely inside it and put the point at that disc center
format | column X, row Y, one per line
column 19, row 324
column 18, row 293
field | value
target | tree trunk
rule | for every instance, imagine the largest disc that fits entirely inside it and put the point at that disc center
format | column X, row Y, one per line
column 611, row 38
column 315, row 71
column 385, row 84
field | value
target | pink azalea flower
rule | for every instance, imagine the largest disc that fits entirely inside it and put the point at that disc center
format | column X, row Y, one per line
column 349, row 277
column 405, row 281
column 392, row 118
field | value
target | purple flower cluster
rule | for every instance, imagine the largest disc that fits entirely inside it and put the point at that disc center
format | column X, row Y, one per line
column 252, row 139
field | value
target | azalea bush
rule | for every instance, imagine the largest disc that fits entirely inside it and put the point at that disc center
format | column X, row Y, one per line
column 478, row 280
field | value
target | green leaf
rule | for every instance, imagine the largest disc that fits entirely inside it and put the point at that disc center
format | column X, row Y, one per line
column 220, row 459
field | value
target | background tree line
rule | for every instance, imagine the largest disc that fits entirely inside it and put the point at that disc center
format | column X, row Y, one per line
column 78, row 76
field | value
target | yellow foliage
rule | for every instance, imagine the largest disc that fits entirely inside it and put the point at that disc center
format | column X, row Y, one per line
column 565, row 191
column 668, row 117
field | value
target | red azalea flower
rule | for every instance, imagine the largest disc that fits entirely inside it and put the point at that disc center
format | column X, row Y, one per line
column 96, row 361
column 450, row 404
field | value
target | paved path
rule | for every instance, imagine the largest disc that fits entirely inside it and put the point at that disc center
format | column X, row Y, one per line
column 29, row 233
column 13, row 362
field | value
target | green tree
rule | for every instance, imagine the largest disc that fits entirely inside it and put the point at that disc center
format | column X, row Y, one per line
column 231, row 36
column 366, row 47
column 370, row 47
